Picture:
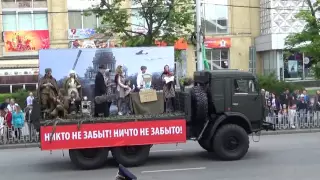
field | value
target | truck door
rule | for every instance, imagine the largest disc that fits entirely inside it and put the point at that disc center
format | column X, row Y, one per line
column 246, row 99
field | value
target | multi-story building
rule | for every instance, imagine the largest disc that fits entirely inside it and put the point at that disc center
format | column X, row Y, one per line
column 25, row 30
column 230, row 27
column 277, row 21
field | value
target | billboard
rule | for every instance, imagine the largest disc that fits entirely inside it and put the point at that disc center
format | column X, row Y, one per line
column 80, row 33
column 217, row 43
column 86, row 61
column 23, row 41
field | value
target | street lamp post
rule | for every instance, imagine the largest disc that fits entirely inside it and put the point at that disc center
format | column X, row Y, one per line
column 199, row 35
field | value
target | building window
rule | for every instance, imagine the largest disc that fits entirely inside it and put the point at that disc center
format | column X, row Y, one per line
column 138, row 23
column 219, row 57
column 215, row 17
column 78, row 20
column 23, row 21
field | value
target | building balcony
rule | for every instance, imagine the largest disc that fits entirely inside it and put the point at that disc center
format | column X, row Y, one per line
column 26, row 4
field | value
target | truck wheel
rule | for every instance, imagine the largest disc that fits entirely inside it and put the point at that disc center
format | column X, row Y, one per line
column 206, row 145
column 231, row 142
column 89, row 158
column 131, row 156
column 199, row 103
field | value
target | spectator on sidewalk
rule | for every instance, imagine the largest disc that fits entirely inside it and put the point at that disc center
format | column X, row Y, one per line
column 317, row 102
column 17, row 121
column 284, row 97
column 292, row 108
column 306, row 96
column 30, row 99
column 6, row 102
column 12, row 105
column 302, row 107
column 7, row 115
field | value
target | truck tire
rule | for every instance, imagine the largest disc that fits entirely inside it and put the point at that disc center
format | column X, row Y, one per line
column 89, row 158
column 231, row 142
column 206, row 145
column 131, row 156
column 199, row 104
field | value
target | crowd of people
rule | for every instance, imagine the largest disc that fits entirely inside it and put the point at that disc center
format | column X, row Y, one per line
column 13, row 120
column 292, row 108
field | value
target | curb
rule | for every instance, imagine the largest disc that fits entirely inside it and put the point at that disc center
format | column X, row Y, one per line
column 18, row 146
column 298, row 131
column 264, row 133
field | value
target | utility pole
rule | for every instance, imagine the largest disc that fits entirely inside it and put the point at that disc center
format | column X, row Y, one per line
column 199, row 35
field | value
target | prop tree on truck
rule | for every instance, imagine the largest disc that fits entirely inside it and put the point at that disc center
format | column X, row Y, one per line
column 164, row 20
column 308, row 40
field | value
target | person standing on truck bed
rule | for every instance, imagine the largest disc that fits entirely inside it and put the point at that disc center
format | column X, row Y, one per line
column 140, row 81
column 168, row 89
column 100, row 89
column 48, row 90
column 121, row 88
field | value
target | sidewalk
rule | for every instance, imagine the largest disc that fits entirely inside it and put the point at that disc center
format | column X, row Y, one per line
column 263, row 133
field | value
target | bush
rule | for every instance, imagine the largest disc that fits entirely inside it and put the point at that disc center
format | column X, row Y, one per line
column 272, row 84
column 20, row 97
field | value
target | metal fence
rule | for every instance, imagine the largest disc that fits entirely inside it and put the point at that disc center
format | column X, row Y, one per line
column 10, row 135
column 295, row 120
column 292, row 120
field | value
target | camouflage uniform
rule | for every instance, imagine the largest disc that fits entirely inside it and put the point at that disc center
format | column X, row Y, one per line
column 48, row 94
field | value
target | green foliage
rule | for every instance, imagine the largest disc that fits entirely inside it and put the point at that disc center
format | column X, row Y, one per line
column 20, row 96
column 272, row 84
column 185, row 81
column 167, row 20
column 307, row 41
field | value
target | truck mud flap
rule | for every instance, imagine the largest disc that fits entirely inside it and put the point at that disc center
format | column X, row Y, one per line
column 268, row 126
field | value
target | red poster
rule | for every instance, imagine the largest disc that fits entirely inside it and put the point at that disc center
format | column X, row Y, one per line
column 217, row 42
column 113, row 134
column 21, row 41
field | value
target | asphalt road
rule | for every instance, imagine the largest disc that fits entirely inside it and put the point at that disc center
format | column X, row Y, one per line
column 276, row 157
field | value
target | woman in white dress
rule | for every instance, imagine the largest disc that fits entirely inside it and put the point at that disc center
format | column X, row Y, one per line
column 73, row 84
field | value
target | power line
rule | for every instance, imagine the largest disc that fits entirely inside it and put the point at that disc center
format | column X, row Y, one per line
column 225, row 5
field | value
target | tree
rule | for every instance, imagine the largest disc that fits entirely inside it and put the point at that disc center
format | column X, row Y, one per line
column 166, row 20
column 308, row 40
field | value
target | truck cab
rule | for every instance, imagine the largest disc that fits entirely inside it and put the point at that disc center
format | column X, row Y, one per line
column 237, row 92
column 225, row 107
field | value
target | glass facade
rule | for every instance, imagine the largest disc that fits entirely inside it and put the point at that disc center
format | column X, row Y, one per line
column 77, row 20
column 219, row 57
column 215, row 13
column 29, row 20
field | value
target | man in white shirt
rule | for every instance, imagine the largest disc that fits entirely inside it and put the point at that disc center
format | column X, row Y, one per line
column 30, row 99
column 140, row 82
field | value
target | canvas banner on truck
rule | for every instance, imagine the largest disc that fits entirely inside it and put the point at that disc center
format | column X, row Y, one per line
column 113, row 134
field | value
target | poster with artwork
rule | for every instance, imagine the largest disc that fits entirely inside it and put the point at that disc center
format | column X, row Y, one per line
column 293, row 66
column 85, row 63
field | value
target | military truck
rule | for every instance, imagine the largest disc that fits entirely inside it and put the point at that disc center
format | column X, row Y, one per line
column 219, row 112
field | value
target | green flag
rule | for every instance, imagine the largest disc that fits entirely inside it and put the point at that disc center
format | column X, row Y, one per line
column 204, row 58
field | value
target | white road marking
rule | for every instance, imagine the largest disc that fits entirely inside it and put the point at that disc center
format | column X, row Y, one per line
column 173, row 170
column 166, row 150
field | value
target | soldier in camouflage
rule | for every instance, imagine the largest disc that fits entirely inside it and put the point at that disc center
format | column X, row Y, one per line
column 48, row 91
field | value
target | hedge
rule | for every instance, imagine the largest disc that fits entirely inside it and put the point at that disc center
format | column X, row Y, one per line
column 20, row 97
column 272, row 84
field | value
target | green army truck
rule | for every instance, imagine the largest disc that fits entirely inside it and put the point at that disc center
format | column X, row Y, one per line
column 220, row 111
